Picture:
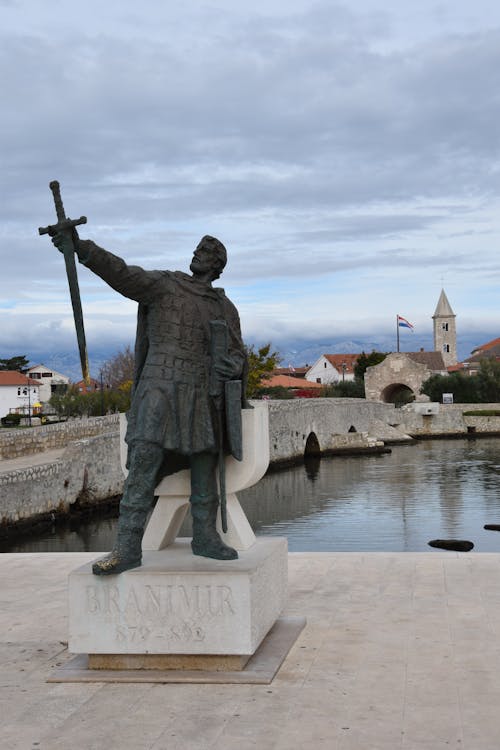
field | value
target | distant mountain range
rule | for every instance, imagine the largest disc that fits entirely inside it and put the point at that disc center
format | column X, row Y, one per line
column 296, row 351
column 68, row 363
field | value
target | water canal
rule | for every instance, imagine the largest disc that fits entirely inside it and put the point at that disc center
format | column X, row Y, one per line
column 390, row 502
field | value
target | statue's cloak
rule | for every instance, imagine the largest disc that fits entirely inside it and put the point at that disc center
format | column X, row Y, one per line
column 171, row 405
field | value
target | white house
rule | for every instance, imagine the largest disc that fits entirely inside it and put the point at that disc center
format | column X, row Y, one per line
column 18, row 393
column 332, row 368
column 47, row 379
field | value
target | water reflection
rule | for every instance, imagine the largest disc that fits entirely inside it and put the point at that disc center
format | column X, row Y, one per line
column 397, row 501
column 312, row 466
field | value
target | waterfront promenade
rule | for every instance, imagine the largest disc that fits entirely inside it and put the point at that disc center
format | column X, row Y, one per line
column 400, row 651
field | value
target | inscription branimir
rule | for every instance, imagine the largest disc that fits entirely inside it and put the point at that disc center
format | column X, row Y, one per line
column 158, row 603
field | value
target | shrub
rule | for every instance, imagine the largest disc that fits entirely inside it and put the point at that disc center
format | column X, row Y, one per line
column 11, row 420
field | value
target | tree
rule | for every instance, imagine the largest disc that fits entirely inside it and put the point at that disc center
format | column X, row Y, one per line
column 367, row 360
column 489, row 381
column 455, row 383
column 484, row 387
column 261, row 364
column 73, row 403
column 119, row 369
column 19, row 363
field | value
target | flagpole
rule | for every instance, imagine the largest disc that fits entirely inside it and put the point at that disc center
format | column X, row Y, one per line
column 397, row 331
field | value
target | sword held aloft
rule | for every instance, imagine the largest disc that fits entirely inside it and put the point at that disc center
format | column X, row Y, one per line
column 65, row 227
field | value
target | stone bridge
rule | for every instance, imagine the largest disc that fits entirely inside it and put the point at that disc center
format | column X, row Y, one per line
column 327, row 425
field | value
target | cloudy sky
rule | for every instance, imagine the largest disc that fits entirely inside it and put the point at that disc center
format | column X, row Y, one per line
column 347, row 154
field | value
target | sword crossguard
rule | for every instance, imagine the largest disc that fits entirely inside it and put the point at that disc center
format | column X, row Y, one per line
column 52, row 229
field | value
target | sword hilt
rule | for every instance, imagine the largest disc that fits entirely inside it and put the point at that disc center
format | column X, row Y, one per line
column 63, row 223
column 56, row 192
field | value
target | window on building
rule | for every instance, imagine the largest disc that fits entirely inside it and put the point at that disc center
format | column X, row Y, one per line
column 446, row 348
column 318, row 380
column 445, row 326
column 324, row 364
column 46, row 374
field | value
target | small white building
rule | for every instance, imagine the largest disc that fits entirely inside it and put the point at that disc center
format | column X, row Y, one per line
column 18, row 393
column 48, row 380
column 332, row 368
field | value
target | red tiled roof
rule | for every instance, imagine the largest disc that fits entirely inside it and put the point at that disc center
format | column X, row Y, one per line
column 287, row 381
column 492, row 347
column 338, row 359
column 92, row 385
column 488, row 345
column 294, row 372
column 13, row 377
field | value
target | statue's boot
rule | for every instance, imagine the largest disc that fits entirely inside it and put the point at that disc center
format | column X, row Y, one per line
column 126, row 554
column 145, row 460
column 206, row 539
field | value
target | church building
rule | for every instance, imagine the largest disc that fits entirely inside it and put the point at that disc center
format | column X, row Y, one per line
column 399, row 378
column 445, row 330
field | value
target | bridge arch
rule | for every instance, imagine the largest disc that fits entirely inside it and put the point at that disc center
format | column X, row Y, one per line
column 312, row 447
column 398, row 393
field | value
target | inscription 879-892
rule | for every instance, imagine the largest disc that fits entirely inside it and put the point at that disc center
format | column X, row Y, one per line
column 161, row 613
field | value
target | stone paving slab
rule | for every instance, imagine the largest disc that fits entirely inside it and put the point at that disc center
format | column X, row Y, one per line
column 400, row 651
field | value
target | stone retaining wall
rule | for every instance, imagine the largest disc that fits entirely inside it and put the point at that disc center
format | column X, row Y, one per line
column 25, row 442
column 449, row 420
column 90, row 469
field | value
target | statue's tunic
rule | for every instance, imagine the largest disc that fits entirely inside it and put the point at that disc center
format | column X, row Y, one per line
column 170, row 401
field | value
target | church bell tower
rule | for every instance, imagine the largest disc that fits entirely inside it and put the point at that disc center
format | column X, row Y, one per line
column 445, row 331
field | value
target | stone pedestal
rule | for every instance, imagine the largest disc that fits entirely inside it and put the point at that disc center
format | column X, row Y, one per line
column 177, row 603
column 181, row 613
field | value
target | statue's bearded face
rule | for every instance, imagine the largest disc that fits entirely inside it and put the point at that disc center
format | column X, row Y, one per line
column 205, row 262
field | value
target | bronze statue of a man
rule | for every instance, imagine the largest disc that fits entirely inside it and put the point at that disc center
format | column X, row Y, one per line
column 172, row 422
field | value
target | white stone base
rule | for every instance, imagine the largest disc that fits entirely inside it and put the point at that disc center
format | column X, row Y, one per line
column 179, row 603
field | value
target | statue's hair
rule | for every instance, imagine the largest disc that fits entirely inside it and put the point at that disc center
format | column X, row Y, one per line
column 217, row 248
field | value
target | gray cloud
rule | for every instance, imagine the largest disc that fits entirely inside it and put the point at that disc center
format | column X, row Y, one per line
column 313, row 139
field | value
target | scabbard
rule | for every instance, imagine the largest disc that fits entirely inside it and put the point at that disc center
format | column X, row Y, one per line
column 222, row 478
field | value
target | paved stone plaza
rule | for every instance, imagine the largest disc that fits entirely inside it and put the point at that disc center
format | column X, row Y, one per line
column 400, row 650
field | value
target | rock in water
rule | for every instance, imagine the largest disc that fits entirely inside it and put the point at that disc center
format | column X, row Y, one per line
column 457, row 545
column 492, row 526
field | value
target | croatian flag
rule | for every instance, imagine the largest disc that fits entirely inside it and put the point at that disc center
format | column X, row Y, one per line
column 403, row 323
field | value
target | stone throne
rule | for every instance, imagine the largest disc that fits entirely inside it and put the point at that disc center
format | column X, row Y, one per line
column 178, row 613
column 173, row 492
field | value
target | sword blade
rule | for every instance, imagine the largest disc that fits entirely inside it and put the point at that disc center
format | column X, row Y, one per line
column 74, row 291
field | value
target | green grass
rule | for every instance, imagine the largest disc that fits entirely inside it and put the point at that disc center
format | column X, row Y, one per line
column 482, row 413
